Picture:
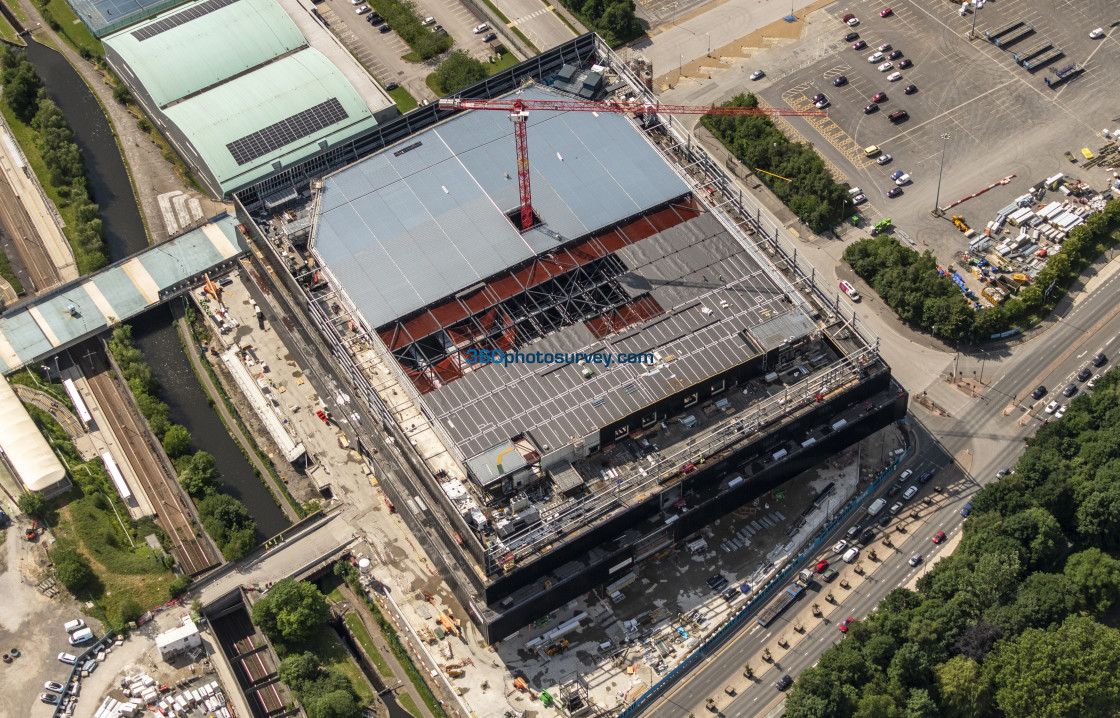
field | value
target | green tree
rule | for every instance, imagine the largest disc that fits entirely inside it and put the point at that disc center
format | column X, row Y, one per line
column 962, row 690
column 299, row 671
column 1093, row 578
column 459, row 70
column 877, row 705
column 72, row 569
column 177, row 442
column 1098, row 517
column 335, row 704
column 1071, row 671
column 32, row 504
column 121, row 94
column 291, row 612
column 229, row 523
column 179, row 585
column 130, row 610
column 921, row 705
column 201, row 476
column 21, row 84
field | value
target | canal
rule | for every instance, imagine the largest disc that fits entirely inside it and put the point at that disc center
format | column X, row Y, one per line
column 108, row 180
column 155, row 335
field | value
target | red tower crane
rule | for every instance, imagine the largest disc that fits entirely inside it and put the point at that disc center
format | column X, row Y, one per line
column 518, row 110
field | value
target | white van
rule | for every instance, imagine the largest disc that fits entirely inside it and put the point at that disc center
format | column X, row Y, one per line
column 851, row 555
column 876, row 507
column 81, row 636
column 849, row 290
column 74, row 625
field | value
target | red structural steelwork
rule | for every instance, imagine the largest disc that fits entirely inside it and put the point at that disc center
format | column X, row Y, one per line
column 635, row 312
column 519, row 108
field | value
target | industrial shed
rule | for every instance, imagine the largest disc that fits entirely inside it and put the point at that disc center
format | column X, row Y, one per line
column 26, row 452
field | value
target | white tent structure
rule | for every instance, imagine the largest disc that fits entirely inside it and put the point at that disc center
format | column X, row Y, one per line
column 25, row 450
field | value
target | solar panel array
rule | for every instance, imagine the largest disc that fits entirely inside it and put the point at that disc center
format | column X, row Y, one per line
column 286, row 131
column 149, row 31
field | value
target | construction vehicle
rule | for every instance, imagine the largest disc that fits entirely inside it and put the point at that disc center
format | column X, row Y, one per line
column 557, row 647
column 959, row 221
column 444, row 620
column 32, row 531
column 519, row 108
column 882, row 226
column 781, row 603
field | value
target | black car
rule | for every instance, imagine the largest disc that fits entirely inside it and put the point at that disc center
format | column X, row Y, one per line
column 926, row 476
column 894, row 490
column 490, row 37
column 867, row 537
column 851, row 37
column 905, row 64
column 730, row 594
column 1099, row 359
column 377, row 21
column 870, row 108
column 818, row 97
column 784, row 682
column 386, row 28
column 391, row 86
column 1003, row 472
column 1039, row 392
column 1084, row 374
column 1069, row 391
column 895, row 54
column 895, row 192
column 854, row 531
column 885, row 520
column 910, row 89
column 717, row 582
column 842, row 80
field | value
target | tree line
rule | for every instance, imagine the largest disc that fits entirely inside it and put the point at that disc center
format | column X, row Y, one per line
column 1017, row 622
column 26, row 97
column 909, row 283
column 810, row 192
column 291, row 614
column 401, row 15
column 225, row 518
column 614, row 20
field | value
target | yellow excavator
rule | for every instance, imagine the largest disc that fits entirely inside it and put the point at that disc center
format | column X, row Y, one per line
column 447, row 623
column 959, row 221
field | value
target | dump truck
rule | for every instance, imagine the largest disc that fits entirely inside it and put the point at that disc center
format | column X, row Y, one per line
column 779, row 604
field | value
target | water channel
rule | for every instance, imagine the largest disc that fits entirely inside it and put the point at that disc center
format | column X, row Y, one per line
column 154, row 332
column 108, row 180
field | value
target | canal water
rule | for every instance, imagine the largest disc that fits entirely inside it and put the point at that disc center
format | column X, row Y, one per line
column 108, row 180
column 157, row 338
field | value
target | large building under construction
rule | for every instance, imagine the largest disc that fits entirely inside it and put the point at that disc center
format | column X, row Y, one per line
column 656, row 359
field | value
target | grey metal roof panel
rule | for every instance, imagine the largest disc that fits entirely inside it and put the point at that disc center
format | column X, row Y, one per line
column 588, row 170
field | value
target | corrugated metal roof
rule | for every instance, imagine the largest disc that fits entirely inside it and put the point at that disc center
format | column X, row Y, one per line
column 711, row 289
column 42, row 325
column 401, row 231
column 208, row 49
column 24, row 446
column 259, row 99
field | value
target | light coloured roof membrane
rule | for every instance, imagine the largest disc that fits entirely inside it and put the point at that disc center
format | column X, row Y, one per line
column 424, row 219
column 208, row 49
column 27, row 451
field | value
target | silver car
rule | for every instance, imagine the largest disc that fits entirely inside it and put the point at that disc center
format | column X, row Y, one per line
column 909, row 493
column 915, row 559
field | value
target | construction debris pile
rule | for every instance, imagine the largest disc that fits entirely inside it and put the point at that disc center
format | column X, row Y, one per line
column 141, row 692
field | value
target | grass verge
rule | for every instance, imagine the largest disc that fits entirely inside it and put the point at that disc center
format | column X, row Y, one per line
column 406, row 702
column 71, row 28
column 404, row 100
column 17, row 10
column 8, row 32
column 329, row 649
column 8, row 275
column 361, row 634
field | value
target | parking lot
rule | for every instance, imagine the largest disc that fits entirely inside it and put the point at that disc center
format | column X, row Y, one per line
column 1000, row 119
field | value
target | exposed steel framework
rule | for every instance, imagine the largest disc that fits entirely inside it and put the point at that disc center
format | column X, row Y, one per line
column 519, row 108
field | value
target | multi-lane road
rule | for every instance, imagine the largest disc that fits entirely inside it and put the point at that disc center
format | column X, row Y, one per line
column 978, row 436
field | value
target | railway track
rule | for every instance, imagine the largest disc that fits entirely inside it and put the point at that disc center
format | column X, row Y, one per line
column 193, row 555
column 16, row 221
column 238, row 636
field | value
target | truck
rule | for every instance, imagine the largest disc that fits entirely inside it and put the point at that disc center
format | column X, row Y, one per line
column 780, row 603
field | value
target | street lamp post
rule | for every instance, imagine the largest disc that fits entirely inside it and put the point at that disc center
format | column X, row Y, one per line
column 975, row 13
column 937, row 197
column 709, row 44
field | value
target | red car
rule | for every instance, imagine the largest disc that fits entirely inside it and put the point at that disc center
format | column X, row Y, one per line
column 886, row 12
column 879, row 97
column 847, row 17
column 939, row 537
column 845, row 623
column 821, row 566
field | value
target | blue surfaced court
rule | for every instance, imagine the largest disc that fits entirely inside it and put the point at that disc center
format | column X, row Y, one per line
column 105, row 16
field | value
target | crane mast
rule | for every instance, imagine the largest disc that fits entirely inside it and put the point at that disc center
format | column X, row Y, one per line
column 519, row 108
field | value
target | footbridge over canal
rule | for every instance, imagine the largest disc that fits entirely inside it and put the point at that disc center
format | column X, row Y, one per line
column 53, row 321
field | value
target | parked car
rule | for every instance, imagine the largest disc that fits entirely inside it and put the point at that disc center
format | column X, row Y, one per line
column 1039, row 392
column 67, row 658
column 847, row 17
column 829, row 575
column 818, row 97
column 821, row 104
column 75, row 625
column 926, row 476
column 853, row 22
column 905, row 475
column 894, row 192
column 821, row 566
column 893, row 491
column 429, row 21
column 842, row 80
column 490, row 37
column 859, row 199
column 853, row 531
column 479, row 29
column 1093, row 381
column 867, row 536
column 53, row 687
column 1099, row 359
column 895, row 508
column 939, row 537
column 910, row 89
column 1003, row 472
column 883, row 159
column 895, row 76
column 845, row 623
column 1052, row 407
column 884, row 47
column 879, row 97
column 870, row 108
column 363, row 9
column 1084, row 374
column 391, row 86
column 1069, row 391
column 859, row 45
column 915, row 559
column 885, row 520
column 909, row 493
column 906, row 64
column 874, row 57
column 840, row 546
column 886, row 66
column 757, row 74
column 902, row 180
column 851, row 37
column 1094, row 34
column 895, row 54
column 886, row 12
column 384, row 29
column 851, row 555
column 1060, row 412
column 49, row 698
